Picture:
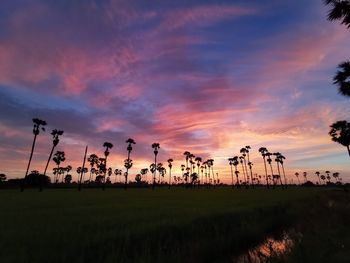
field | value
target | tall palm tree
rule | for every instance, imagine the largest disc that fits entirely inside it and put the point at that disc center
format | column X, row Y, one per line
column 58, row 158
column 205, row 172
column 235, row 164
column 183, row 169
column 187, row 156
column 243, row 151
column 211, row 165
column 269, row 161
column 107, row 146
column 161, row 170
column 340, row 11
column 250, row 164
column 94, row 161
column 297, row 176
column 244, row 174
column 155, row 147
column 191, row 156
column 263, row 152
column 198, row 160
column 230, row 162
column 318, row 176
column 55, row 140
column 170, row 165
column 340, row 133
column 128, row 164
column 38, row 124
column 278, row 160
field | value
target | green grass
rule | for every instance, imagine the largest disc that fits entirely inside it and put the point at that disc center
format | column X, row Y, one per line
column 141, row 225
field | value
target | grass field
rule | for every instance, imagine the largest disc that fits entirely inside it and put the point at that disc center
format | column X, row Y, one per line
column 176, row 225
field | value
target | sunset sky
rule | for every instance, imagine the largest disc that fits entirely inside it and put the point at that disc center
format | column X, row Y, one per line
column 209, row 77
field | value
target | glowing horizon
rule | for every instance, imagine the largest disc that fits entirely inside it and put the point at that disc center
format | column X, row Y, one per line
column 209, row 77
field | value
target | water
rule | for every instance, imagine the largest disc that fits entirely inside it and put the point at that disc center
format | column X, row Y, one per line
column 271, row 248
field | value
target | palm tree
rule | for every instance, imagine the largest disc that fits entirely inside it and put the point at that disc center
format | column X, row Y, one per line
column 108, row 146
column 55, row 140
column 336, row 176
column 318, row 176
column 117, row 172
column 36, row 130
column 341, row 79
column 305, row 176
column 250, row 164
column 243, row 151
column 130, row 142
column 210, row 163
column 183, row 169
column 144, row 171
column 187, row 155
column 340, row 133
column 263, row 152
column 230, row 162
column 235, row 164
column 81, row 170
column 327, row 172
column 170, row 165
column 297, row 175
column 205, row 172
column 67, row 169
column 198, row 160
column 58, row 158
column 161, row 170
column 323, row 178
column 94, row 161
column 278, row 160
column 340, row 11
column 244, row 174
column 269, row 161
column 155, row 147
column 191, row 156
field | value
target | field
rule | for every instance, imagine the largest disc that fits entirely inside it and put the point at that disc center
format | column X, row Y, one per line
column 176, row 225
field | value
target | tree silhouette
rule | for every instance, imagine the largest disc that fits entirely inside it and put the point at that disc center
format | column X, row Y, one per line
column 36, row 130
column 2, row 178
column 318, row 176
column 323, row 178
column 55, row 140
column 155, row 147
column 269, row 161
column 250, row 164
column 170, row 165
column 279, row 160
column 81, row 170
column 263, row 152
column 128, row 163
column 340, row 133
column 117, row 172
column 340, row 11
column 144, row 172
column 58, row 158
column 297, row 176
column 336, row 176
column 94, row 162
column 198, row 160
column 107, row 146
column 68, row 178
column 305, row 176
column 342, row 78
column 235, row 164
column 187, row 157
column 230, row 162
column 241, row 158
column 243, row 151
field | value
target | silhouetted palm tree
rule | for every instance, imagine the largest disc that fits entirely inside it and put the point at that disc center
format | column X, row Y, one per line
column 36, row 130
column 199, row 161
column 323, row 178
column 340, row 133
column 241, row 158
column 55, row 140
column 279, row 161
column 263, row 152
column 205, row 164
column 192, row 163
column 210, row 163
column 144, row 172
column 161, row 170
column 107, row 146
column 230, row 162
column 318, row 176
column 341, row 79
column 130, row 142
column 250, row 164
column 243, row 151
column 340, row 11
column 155, row 147
column 67, row 169
column 269, row 161
column 183, row 169
column 297, row 176
column 336, row 176
column 305, row 176
column 58, row 158
column 235, row 164
column 83, row 171
column 94, row 161
column 118, row 172
column 187, row 156
column 170, row 165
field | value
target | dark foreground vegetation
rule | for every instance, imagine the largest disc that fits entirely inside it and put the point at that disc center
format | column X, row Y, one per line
column 182, row 225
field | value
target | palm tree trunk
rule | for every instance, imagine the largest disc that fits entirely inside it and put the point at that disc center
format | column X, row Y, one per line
column 169, row 177
column 245, row 179
column 82, row 170
column 279, row 174
column 284, row 175
column 246, row 170
column 48, row 160
column 274, row 183
column 31, row 155
column 155, row 171
column 231, row 176
column 267, row 178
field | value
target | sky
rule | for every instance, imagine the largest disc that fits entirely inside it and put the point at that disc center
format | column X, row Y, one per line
column 209, row 77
